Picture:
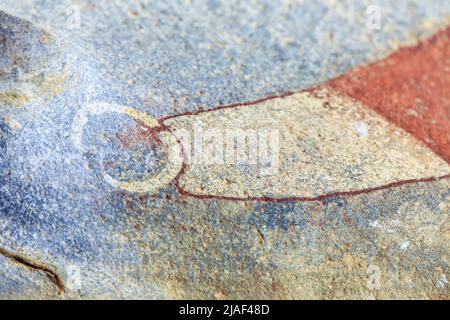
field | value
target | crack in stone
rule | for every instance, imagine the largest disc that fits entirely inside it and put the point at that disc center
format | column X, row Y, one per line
column 29, row 264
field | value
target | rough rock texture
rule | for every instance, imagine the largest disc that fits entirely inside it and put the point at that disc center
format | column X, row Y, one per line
column 71, row 228
column 33, row 65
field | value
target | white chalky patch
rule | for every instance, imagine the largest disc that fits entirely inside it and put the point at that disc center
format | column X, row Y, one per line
column 362, row 129
column 374, row 224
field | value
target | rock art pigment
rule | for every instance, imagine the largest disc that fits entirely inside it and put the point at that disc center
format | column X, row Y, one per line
column 224, row 150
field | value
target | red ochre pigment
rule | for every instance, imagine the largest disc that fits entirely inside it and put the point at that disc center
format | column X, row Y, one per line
column 410, row 88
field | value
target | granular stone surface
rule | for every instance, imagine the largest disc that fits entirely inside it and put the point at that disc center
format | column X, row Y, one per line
column 98, row 198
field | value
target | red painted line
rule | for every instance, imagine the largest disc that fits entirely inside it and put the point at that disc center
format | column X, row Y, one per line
column 236, row 105
column 410, row 88
column 320, row 198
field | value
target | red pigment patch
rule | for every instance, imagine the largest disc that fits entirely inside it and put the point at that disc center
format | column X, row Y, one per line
column 410, row 88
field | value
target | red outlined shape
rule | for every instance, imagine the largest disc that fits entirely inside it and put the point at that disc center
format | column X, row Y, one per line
column 320, row 198
column 435, row 47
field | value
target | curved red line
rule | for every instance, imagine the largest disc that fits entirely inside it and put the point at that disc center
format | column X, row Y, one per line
column 164, row 127
column 240, row 104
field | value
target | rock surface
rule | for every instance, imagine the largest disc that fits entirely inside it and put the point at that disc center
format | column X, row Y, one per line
column 68, row 229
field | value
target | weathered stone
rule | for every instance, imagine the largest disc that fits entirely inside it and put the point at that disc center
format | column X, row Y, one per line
column 73, row 224
column 32, row 65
